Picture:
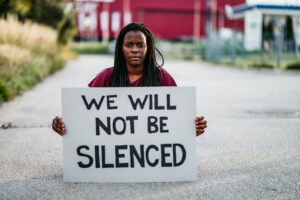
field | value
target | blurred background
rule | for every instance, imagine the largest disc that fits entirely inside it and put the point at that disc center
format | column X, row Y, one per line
column 37, row 37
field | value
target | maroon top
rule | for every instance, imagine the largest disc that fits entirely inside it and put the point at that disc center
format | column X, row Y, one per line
column 102, row 79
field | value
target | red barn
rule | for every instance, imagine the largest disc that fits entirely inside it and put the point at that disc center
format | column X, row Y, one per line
column 167, row 19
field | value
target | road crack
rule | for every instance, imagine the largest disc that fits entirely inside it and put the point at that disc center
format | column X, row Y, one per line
column 10, row 125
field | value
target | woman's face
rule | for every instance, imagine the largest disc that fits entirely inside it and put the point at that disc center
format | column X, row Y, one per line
column 135, row 48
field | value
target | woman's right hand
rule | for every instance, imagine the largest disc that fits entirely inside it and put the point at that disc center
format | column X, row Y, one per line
column 58, row 126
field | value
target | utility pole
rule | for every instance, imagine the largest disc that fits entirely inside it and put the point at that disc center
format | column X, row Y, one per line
column 126, row 12
column 208, row 18
column 105, row 22
column 197, row 20
column 214, row 11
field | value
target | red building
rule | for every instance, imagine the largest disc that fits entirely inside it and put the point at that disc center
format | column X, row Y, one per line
column 167, row 19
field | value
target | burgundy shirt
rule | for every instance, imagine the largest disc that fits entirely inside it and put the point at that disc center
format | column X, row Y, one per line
column 102, row 79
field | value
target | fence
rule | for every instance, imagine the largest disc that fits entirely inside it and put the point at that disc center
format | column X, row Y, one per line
column 276, row 54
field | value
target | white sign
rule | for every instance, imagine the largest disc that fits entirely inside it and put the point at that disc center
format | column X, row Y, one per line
column 115, row 21
column 127, row 18
column 104, row 20
column 253, row 30
column 140, row 134
column 296, row 28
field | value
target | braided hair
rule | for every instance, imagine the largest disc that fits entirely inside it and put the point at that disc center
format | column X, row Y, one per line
column 150, row 77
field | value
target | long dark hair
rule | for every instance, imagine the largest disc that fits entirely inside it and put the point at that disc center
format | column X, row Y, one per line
column 150, row 77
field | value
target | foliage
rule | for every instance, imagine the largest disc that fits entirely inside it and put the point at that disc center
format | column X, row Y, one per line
column 33, row 72
column 293, row 66
column 28, row 35
column 262, row 65
column 89, row 48
column 4, row 91
column 179, row 50
column 28, row 53
column 55, row 13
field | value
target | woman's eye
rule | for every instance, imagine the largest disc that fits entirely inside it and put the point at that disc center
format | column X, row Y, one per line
column 140, row 45
column 129, row 45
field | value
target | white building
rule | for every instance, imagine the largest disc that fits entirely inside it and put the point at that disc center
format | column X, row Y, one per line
column 263, row 13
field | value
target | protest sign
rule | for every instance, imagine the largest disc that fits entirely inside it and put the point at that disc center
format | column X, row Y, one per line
column 140, row 134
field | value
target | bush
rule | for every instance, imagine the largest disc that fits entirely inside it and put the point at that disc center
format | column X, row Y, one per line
column 28, row 53
column 90, row 48
column 33, row 37
column 58, row 14
column 57, row 64
column 262, row 65
column 293, row 66
column 4, row 91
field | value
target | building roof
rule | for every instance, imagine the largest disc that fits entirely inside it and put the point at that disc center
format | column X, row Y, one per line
column 239, row 10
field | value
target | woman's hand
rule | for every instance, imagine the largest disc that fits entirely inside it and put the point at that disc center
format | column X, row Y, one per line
column 201, row 124
column 58, row 126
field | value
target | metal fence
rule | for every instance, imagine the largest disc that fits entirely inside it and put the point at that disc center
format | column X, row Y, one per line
column 275, row 54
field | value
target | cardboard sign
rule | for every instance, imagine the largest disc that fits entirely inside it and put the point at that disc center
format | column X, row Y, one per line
column 141, row 134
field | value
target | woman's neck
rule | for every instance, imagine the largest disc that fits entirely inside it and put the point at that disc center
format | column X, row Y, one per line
column 135, row 70
column 134, row 73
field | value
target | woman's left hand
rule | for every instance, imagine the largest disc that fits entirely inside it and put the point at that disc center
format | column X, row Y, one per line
column 201, row 124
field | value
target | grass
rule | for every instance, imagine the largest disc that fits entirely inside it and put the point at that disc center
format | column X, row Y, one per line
column 293, row 66
column 28, row 53
column 89, row 47
column 31, row 36
column 179, row 50
column 192, row 51
column 255, row 60
column 169, row 49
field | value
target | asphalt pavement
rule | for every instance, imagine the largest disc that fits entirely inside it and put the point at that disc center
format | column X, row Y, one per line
column 250, row 150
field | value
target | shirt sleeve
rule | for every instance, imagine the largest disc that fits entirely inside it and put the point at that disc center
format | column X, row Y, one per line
column 166, row 79
column 102, row 79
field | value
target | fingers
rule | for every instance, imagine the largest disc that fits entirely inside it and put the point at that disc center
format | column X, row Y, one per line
column 201, row 127
column 199, row 132
column 200, row 121
column 58, row 126
column 200, row 124
column 199, row 118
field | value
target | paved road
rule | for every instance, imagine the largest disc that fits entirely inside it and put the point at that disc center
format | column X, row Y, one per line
column 251, row 149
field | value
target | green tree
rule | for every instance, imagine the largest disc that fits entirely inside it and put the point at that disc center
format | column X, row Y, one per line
column 48, row 12
column 4, row 7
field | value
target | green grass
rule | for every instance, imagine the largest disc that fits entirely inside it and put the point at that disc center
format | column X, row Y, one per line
column 89, row 47
column 179, row 50
column 4, row 91
column 293, row 66
column 29, row 52
column 31, row 73
column 256, row 61
column 253, row 59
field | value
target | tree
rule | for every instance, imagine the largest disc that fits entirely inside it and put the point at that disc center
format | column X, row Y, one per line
column 48, row 12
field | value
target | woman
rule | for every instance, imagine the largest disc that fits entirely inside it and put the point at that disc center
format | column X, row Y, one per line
column 134, row 65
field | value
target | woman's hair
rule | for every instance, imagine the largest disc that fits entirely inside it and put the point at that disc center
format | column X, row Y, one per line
column 150, row 77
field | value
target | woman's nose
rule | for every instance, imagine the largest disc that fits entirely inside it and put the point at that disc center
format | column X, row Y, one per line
column 134, row 48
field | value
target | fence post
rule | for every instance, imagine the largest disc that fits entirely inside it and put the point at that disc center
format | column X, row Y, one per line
column 296, row 50
column 279, row 45
column 233, row 50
